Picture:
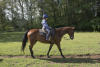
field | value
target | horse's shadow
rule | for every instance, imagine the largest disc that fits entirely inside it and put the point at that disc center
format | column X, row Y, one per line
column 1, row 60
column 72, row 60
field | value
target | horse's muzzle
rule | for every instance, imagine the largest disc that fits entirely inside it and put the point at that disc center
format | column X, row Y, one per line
column 71, row 38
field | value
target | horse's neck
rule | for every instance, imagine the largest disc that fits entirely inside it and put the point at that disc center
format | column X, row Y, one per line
column 61, row 32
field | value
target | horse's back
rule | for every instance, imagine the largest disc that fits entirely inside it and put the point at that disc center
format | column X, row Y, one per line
column 33, row 31
column 38, row 35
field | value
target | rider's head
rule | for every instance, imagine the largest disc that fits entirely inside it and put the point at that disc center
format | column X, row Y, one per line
column 45, row 16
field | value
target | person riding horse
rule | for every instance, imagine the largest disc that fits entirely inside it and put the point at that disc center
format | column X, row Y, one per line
column 45, row 26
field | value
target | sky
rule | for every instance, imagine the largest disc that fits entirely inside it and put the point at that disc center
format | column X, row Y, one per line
column 17, row 9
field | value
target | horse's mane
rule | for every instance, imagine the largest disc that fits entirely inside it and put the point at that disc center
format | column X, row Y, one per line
column 66, row 28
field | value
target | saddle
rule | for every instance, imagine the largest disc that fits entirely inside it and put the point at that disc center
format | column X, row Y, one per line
column 43, row 33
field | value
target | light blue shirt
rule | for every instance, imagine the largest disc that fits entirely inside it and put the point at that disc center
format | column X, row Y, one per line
column 44, row 23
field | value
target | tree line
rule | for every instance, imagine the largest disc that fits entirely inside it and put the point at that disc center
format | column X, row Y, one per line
column 20, row 15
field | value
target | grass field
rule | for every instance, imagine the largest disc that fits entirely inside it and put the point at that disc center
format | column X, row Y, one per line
column 85, row 43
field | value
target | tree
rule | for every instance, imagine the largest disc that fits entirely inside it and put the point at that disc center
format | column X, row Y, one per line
column 26, row 14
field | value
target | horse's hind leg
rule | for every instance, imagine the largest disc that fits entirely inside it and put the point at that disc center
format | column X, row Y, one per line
column 31, row 51
column 30, row 48
column 49, row 50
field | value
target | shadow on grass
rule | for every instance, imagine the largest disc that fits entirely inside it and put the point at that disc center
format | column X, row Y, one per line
column 1, row 60
column 72, row 60
column 11, row 36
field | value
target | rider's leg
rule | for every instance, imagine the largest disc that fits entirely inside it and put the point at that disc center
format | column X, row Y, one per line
column 47, row 36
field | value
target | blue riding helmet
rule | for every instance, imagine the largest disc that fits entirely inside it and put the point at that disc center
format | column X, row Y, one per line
column 45, row 16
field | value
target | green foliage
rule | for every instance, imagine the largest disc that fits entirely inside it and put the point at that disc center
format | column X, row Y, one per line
column 27, row 14
column 95, row 23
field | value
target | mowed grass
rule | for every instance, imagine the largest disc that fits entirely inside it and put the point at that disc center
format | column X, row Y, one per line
column 84, row 43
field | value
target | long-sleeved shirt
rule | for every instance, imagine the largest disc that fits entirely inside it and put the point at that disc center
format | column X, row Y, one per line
column 44, row 23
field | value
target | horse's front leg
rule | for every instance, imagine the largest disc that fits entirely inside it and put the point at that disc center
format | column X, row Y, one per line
column 49, row 50
column 58, row 45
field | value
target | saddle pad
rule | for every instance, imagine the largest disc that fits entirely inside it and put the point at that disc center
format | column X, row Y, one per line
column 42, row 32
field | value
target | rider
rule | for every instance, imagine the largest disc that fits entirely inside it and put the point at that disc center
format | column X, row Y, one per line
column 45, row 25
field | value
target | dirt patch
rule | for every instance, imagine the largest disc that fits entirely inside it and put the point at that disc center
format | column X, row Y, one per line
column 87, row 58
column 93, row 56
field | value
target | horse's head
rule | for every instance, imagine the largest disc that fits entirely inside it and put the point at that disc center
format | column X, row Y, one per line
column 66, row 30
column 70, row 32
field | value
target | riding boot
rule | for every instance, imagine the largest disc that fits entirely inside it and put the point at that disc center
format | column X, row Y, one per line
column 47, row 36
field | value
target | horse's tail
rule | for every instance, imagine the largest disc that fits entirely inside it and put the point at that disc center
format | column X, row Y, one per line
column 25, row 38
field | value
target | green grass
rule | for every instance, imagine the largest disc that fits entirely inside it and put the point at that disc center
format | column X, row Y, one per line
column 28, row 62
column 84, row 43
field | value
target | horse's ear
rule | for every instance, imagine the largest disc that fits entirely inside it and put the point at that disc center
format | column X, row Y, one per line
column 73, row 27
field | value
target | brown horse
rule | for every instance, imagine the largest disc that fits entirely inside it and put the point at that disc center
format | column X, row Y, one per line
column 33, row 36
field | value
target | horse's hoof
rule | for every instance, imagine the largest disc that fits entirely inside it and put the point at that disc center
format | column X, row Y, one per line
column 48, row 56
column 63, row 57
column 33, row 56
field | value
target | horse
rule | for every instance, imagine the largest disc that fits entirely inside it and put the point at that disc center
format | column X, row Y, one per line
column 33, row 35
